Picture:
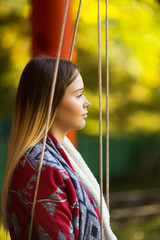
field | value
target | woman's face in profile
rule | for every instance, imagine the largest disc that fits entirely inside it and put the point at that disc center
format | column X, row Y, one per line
column 72, row 110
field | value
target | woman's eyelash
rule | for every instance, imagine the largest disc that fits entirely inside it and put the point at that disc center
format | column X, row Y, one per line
column 80, row 95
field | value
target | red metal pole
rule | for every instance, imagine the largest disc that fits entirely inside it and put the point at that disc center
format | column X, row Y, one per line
column 46, row 26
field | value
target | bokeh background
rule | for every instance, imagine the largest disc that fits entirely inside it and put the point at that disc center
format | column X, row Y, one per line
column 134, row 99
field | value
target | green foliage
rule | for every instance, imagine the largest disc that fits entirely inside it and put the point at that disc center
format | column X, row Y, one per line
column 134, row 57
column 14, row 49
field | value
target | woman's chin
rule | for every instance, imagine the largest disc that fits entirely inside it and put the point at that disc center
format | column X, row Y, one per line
column 81, row 126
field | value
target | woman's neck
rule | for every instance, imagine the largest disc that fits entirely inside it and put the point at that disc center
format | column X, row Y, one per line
column 58, row 133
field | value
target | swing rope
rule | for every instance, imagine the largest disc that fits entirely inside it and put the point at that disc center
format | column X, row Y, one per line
column 107, row 110
column 100, row 117
column 75, row 30
column 48, row 116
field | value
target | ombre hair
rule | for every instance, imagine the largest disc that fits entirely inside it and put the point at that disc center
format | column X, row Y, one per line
column 31, row 108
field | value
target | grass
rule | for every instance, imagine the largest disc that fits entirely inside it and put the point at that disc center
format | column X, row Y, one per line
column 142, row 228
column 137, row 229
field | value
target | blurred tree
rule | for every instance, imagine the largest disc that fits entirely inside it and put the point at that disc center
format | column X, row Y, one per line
column 134, row 56
column 14, row 49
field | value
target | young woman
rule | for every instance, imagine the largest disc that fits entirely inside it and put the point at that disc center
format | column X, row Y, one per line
column 67, row 204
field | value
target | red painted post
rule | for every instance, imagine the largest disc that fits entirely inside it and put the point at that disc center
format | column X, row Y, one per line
column 47, row 19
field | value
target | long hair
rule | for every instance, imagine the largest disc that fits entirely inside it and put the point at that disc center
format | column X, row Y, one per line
column 31, row 108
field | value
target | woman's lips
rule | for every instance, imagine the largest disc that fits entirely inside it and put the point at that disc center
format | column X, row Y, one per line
column 84, row 115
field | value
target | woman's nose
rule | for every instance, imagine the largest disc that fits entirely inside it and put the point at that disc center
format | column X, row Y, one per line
column 86, row 103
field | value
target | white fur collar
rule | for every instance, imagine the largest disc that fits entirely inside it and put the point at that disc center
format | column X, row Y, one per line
column 89, row 182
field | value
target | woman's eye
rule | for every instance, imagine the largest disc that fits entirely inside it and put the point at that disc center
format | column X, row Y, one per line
column 79, row 95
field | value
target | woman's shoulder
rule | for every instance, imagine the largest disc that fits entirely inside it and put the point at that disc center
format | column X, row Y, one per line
column 53, row 170
column 51, row 157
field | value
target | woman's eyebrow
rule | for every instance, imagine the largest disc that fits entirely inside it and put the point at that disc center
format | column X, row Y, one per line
column 79, row 89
